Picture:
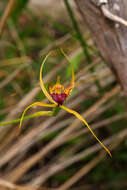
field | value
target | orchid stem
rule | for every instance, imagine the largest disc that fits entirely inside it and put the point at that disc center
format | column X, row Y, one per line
column 56, row 110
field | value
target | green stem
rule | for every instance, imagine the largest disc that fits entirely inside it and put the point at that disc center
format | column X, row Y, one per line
column 55, row 110
column 38, row 114
column 79, row 35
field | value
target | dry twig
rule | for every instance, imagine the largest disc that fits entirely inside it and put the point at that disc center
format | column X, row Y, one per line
column 9, row 8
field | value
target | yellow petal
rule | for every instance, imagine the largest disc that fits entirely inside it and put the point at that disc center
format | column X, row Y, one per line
column 34, row 104
column 84, row 121
column 73, row 76
column 41, row 81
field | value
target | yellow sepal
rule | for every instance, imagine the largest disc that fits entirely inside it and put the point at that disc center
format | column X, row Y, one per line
column 73, row 75
column 34, row 104
column 84, row 121
column 41, row 81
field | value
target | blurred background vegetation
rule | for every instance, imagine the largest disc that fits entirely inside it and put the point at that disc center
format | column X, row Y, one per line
column 58, row 152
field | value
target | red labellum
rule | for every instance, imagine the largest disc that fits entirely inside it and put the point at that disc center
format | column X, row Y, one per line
column 59, row 98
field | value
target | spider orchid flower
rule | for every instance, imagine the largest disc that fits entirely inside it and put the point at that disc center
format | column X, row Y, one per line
column 57, row 95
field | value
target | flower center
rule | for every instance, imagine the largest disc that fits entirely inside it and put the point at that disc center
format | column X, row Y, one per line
column 58, row 92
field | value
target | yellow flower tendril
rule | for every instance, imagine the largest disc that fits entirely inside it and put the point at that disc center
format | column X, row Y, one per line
column 57, row 95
